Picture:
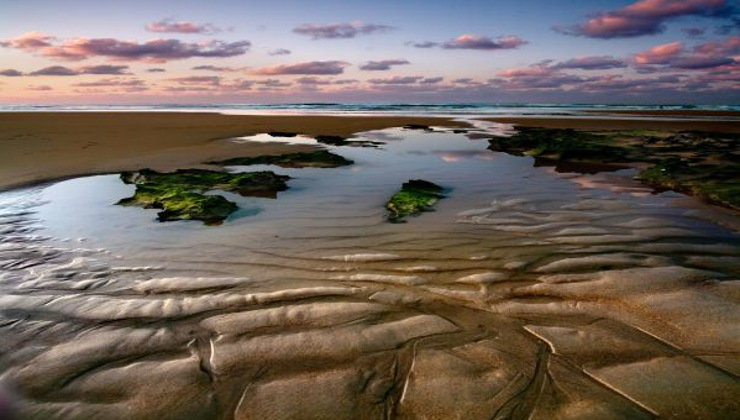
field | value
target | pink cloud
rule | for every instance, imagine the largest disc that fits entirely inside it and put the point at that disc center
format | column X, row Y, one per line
column 730, row 46
column 644, row 17
column 307, row 68
column 704, row 56
column 660, row 54
column 474, row 42
column 182, row 27
column 340, row 30
column 30, row 41
column 603, row 62
column 396, row 80
column 10, row 73
column 382, row 64
column 157, row 50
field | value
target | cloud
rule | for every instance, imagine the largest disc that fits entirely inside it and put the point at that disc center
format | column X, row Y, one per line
column 699, row 62
column 644, row 17
column 313, row 81
column 431, row 80
column 55, row 71
column 659, row 54
column 674, row 56
column 113, row 82
column 198, row 80
column 396, row 80
column 424, row 44
column 474, row 42
column 156, row 70
column 181, row 27
column 382, row 64
column 272, row 84
column 30, row 41
column 729, row 46
column 104, row 69
column 10, row 73
column 307, row 68
column 340, row 30
column 603, row 62
column 39, row 87
column 66, row 71
column 209, row 67
column 279, row 51
column 157, row 50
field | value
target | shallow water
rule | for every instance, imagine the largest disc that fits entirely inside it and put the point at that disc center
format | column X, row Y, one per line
column 526, row 294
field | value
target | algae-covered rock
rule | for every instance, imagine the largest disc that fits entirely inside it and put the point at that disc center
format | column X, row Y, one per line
column 180, row 194
column 558, row 144
column 258, row 184
column 697, row 163
column 414, row 197
column 318, row 159
column 718, row 184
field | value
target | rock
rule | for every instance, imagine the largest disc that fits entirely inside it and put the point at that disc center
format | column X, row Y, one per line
column 281, row 134
column 318, row 159
column 332, row 140
column 418, row 127
column 695, row 163
column 415, row 196
column 180, row 194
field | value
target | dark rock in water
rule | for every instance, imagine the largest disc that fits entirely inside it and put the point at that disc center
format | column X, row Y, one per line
column 414, row 197
column 318, row 159
column 332, row 140
column 459, row 131
column 180, row 194
column 418, row 127
column 281, row 134
column 558, row 144
column 691, row 162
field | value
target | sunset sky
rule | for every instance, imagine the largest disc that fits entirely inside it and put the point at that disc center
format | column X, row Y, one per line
column 432, row 51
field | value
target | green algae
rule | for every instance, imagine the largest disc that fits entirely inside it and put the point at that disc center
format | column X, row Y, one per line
column 702, row 164
column 557, row 144
column 181, row 194
column 317, row 159
column 718, row 184
column 414, row 197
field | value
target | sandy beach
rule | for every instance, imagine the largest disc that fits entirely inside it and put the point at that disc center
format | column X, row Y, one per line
column 532, row 290
column 44, row 146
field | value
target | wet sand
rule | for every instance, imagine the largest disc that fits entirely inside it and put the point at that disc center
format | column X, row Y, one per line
column 44, row 146
column 527, row 294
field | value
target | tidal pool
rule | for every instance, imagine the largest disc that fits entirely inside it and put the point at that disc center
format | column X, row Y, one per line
column 526, row 294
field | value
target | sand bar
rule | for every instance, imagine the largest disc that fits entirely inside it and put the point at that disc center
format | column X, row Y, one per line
column 623, row 123
column 43, row 146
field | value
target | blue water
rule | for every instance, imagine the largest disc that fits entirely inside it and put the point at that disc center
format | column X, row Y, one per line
column 364, row 108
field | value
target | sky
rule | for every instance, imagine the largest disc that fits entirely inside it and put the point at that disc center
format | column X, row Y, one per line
column 399, row 51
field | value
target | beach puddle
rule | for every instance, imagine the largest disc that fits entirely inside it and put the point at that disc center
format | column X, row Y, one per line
column 526, row 293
